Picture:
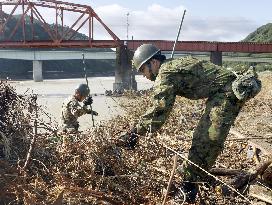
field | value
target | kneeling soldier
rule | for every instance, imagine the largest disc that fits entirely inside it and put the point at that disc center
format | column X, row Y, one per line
column 72, row 109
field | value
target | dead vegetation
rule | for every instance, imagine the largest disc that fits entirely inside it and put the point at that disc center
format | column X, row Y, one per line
column 90, row 169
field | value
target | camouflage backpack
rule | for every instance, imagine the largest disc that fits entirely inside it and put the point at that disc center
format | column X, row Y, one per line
column 247, row 85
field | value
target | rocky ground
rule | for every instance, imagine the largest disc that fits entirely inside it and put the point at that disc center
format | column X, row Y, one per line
column 89, row 168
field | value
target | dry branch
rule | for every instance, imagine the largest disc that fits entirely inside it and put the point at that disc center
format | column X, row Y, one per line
column 225, row 171
column 131, row 176
column 261, row 193
column 171, row 178
column 35, row 134
column 262, row 198
column 267, row 175
column 244, row 179
column 99, row 195
column 241, row 136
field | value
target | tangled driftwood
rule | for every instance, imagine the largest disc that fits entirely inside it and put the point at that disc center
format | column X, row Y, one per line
column 90, row 169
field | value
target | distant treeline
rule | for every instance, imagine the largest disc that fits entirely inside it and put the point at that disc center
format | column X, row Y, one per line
column 262, row 34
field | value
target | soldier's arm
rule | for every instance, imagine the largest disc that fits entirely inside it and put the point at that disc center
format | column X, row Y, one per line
column 77, row 110
column 163, row 101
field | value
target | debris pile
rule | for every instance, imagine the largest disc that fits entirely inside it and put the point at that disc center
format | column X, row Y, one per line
column 89, row 168
column 16, row 113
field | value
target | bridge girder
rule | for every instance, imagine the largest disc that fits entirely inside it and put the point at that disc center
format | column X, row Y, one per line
column 192, row 46
column 206, row 46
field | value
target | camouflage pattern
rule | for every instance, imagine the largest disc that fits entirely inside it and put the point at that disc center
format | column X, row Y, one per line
column 209, row 136
column 246, row 85
column 195, row 79
column 71, row 111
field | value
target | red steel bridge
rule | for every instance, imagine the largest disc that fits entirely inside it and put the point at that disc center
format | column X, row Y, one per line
column 60, row 36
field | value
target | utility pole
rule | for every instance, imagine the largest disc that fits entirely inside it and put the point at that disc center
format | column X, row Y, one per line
column 127, row 24
column 132, row 75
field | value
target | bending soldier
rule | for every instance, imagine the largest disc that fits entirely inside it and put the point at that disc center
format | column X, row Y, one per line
column 189, row 77
column 72, row 109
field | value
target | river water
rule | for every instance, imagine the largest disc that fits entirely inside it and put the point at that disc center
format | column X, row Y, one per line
column 52, row 93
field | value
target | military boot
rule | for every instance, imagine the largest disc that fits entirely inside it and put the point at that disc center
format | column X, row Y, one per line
column 190, row 190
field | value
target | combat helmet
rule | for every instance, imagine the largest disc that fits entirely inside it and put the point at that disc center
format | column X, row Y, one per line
column 83, row 89
column 143, row 53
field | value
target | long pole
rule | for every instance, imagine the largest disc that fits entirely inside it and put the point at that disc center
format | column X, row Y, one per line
column 127, row 25
column 181, row 22
column 86, row 78
column 84, row 68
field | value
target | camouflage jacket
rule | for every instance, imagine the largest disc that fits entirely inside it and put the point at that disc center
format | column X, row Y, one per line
column 187, row 77
column 71, row 111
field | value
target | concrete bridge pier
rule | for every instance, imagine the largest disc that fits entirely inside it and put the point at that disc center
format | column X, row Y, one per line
column 37, row 71
column 216, row 57
column 124, row 75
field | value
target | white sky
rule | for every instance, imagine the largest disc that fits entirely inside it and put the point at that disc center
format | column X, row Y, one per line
column 209, row 20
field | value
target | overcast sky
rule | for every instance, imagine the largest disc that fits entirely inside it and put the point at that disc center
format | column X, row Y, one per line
column 215, row 20
column 207, row 20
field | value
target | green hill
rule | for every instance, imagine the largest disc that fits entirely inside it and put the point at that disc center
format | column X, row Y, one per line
column 39, row 32
column 21, row 69
column 262, row 35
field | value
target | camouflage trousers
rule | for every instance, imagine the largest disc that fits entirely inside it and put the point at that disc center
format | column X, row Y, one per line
column 221, row 111
column 71, row 128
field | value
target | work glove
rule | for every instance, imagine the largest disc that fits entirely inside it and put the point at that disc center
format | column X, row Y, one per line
column 128, row 140
column 92, row 112
column 88, row 101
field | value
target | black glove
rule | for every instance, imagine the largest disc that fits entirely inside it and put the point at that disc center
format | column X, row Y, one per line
column 92, row 112
column 128, row 140
column 88, row 101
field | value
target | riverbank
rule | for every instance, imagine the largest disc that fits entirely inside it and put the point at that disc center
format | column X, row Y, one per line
column 52, row 92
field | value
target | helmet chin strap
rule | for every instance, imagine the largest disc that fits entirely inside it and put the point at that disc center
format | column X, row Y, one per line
column 152, row 75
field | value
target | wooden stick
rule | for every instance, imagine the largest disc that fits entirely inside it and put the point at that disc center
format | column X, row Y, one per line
column 262, row 167
column 242, row 180
column 208, row 173
column 99, row 195
column 35, row 134
column 30, row 151
column 171, row 178
column 262, row 198
column 225, row 172
column 240, row 136
column 267, row 175
column 249, row 138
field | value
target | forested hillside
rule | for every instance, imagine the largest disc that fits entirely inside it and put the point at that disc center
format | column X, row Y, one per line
column 263, row 34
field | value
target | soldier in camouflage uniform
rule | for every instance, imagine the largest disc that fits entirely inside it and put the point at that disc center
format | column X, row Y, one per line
column 189, row 77
column 72, row 109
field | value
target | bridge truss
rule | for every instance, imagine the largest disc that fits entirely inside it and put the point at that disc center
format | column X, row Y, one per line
column 58, row 35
